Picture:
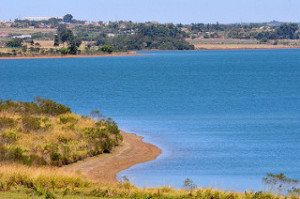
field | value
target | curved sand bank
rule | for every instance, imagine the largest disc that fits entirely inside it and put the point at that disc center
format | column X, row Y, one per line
column 106, row 166
column 74, row 56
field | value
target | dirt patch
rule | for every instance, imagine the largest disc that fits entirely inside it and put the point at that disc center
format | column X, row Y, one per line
column 240, row 46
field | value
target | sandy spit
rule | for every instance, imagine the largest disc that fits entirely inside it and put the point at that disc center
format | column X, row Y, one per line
column 105, row 167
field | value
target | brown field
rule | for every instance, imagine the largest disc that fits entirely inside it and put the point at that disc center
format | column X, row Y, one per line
column 226, row 44
column 241, row 46
column 26, row 31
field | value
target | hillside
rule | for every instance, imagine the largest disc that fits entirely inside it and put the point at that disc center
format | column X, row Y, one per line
column 47, row 133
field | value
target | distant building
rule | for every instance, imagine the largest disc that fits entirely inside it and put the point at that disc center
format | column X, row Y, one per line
column 40, row 18
column 111, row 35
column 22, row 36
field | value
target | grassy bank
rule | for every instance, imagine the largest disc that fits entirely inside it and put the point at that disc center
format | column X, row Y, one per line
column 19, row 181
column 47, row 133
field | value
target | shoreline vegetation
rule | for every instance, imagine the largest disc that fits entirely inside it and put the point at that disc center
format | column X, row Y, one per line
column 121, row 54
column 49, row 152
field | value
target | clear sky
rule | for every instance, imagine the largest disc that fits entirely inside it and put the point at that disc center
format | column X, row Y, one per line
column 176, row 11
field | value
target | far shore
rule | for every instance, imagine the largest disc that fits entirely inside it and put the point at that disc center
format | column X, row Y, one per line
column 105, row 167
column 198, row 48
column 74, row 56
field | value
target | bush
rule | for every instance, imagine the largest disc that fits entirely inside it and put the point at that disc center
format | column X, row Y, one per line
column 107, row 49
column 55, row 159
column 8, row 136
column 6, row 122
column 16, row 154
column 67, row 119
column 14, row 43
column 48, row 106
column 49, row 195
column 31, row 123
column 64, row 51
column 40, row 106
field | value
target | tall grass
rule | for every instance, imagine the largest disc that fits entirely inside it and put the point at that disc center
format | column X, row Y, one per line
column 46, row 182
column 47, row 133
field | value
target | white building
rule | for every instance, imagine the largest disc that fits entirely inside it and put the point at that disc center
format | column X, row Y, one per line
column 22, row 36
column 40, row 18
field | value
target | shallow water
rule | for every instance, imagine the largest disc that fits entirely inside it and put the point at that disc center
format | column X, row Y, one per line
column 222, row 118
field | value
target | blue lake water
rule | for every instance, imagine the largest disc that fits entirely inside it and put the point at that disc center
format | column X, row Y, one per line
column 222, row 118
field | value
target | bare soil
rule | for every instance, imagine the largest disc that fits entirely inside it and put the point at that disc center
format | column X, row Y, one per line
column 105, row 167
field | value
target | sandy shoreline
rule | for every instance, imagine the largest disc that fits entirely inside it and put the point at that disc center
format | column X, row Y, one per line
column 105, row 167
column 75, row 56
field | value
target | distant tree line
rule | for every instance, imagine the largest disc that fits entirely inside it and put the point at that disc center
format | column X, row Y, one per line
column 127, row 35
column 247, row 31
column 52, row 22
column 148, row 36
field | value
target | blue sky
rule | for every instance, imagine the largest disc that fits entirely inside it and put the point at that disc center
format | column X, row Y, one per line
column 176, row 11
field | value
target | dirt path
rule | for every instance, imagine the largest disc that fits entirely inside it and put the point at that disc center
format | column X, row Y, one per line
column 106, row 166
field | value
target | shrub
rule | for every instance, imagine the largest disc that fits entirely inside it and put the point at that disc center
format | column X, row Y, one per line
column 31, row 123
column 8, row 136
column 55, row 159
column 49, row 195
column 107, row 49
column 6, row 122
column 14, row 43
column 48, row 106
column 67, row 119
column 16, row 154
column 64, row 51
column 3, row 151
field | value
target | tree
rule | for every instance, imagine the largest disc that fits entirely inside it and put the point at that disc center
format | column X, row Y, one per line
column 53, row 22
column 66, row 35
column 63, row 34
column 61, row 28
column 74, row 46
column 280, row 183
column 107, row 48
column 189, row 185
column 56, row 40
column 287, row 31
column 68, row 18
column 14, row 43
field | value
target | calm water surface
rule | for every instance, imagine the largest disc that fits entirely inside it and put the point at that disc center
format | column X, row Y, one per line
column 222, row 118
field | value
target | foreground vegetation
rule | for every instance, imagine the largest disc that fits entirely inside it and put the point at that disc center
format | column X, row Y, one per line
column 29, row 182
column 47, row 133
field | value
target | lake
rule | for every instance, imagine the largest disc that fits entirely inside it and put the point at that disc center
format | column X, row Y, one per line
column 222, row 118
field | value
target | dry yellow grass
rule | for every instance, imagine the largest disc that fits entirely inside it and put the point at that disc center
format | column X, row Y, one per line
column 55, row 182
column 240, row 46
